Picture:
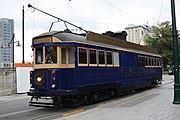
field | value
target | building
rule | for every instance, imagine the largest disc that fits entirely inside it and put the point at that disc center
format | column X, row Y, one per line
column 6, row 51
column 137, row 34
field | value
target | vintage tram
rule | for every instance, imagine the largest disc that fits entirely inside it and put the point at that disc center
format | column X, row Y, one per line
column 72, row 68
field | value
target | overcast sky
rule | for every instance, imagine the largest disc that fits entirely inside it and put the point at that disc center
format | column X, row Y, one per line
column 94, row 15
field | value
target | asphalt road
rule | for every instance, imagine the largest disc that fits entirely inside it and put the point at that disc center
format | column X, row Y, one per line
column 16, row 107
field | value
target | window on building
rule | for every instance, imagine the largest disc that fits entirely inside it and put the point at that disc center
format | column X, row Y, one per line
column 101, row 57
column 92, row 57
column 82, row 56
column 109, row 58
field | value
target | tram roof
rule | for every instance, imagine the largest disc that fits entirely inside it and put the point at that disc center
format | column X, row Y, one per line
column 76, row 38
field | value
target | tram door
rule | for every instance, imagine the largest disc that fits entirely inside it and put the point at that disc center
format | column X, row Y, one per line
column 68, row 62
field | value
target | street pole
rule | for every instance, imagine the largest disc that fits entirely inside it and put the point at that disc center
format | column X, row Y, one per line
column 175, row 56
column 13, row 50
column 23, row 35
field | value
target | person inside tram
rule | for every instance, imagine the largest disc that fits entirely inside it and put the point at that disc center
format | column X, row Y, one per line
column 50, row 59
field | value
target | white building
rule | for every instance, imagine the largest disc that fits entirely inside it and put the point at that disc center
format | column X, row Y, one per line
column 6, row 33
column 136, row 34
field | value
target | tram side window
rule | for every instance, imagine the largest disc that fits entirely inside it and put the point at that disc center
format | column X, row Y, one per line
column 109, row 58
column 147, row 61
column 116, row 58
column 150, row 61
column 82, row 56
column 155, row 60
column 92, row 57
column 140, row 60
column 101, row 57
column 160, row 62
column 39, row 55
column 51, row 55
column 71, row 55
column 63, row 57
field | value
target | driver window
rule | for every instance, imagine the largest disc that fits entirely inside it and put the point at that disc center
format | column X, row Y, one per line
column 51, row 55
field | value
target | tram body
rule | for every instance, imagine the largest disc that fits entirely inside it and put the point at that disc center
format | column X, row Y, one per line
column 85, row 69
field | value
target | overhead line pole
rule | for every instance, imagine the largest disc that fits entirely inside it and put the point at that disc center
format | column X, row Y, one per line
column 23, row 61
column 175, row 56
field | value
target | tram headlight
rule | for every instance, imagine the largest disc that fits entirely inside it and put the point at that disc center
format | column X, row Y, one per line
column 39, row 79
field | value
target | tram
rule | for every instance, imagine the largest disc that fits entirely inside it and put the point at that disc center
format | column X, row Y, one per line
column 72, row 68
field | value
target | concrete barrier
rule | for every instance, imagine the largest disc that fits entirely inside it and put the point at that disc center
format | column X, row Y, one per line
column 7, row 82
column 23, row 78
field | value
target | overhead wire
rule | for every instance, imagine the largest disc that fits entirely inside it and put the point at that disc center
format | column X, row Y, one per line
column 160, row 13
column 121, row 11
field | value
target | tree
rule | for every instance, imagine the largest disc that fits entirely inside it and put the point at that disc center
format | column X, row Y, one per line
column 161, row 40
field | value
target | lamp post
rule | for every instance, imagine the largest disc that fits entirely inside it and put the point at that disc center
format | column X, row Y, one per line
column 9, row 46
column 23, row 61
column 175, row 56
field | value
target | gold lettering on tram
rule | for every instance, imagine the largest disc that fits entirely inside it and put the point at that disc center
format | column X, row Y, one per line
column 42, row 40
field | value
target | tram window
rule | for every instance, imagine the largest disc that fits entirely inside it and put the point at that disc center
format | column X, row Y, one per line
column 82, row 56
column 71, row 55
column 147, row 61
column 109, row 58
column 51, row 55
column 155, row 60
column 101, row 57
column 139, row 60
column 150, row 61
column 39, row 55
column 116, row 58
column 92, row 56
column 63, row 55
column 144, row 61
column 159, row 62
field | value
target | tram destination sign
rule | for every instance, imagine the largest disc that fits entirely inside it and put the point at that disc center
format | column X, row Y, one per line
column 42, row 40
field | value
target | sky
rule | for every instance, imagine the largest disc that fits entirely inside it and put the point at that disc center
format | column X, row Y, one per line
column 93, row 15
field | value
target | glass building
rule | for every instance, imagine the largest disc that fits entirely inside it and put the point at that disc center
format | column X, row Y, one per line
column 6, row 51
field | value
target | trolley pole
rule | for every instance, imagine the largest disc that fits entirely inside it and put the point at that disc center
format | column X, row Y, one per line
column 175, row 56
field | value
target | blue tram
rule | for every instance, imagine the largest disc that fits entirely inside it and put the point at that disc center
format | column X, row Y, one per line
column 71, row 68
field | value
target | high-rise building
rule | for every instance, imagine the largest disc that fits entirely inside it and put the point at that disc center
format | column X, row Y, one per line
column 137, row 34
column 6, row 51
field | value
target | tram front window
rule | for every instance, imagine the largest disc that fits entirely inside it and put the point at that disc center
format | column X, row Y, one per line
column 50, row 55
column 39, row 55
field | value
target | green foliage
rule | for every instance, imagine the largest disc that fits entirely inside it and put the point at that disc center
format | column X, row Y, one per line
column 161, row 39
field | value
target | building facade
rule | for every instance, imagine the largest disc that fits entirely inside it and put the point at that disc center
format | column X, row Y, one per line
column 6, row 51
column 137, row 34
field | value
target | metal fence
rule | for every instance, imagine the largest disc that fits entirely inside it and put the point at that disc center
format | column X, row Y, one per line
column 7, row 81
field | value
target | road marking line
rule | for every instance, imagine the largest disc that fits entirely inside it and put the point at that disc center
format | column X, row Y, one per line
column 13, row 113
column 73, row 112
